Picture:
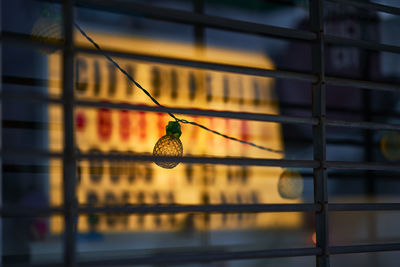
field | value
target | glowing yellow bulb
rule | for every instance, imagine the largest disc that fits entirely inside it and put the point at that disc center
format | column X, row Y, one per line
column 169, row 146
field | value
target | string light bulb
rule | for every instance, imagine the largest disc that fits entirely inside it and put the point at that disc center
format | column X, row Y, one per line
column 169, row 145
column 47, row 29
column 290, row 184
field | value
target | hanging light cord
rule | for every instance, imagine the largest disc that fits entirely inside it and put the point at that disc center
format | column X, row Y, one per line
column 160, row 105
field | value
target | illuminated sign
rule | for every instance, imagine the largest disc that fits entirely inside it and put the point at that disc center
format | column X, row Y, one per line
column 102, row 130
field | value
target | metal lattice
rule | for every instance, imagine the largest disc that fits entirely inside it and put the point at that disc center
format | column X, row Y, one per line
column 321, row 207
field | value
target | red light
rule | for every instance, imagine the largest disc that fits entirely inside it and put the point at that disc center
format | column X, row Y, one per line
column 314, row 238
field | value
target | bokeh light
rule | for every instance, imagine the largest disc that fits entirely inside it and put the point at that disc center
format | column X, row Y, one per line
column 314, row 238
column 47, row 29
column 390, row 146
column 290, row 184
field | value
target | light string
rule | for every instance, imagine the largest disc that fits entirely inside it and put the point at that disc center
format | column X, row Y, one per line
column 162, row 106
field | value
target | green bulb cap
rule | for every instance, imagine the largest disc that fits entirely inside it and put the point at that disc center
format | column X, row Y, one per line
column 174, row 128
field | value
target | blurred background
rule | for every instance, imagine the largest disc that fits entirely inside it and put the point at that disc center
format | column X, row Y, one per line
column 151, row 50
